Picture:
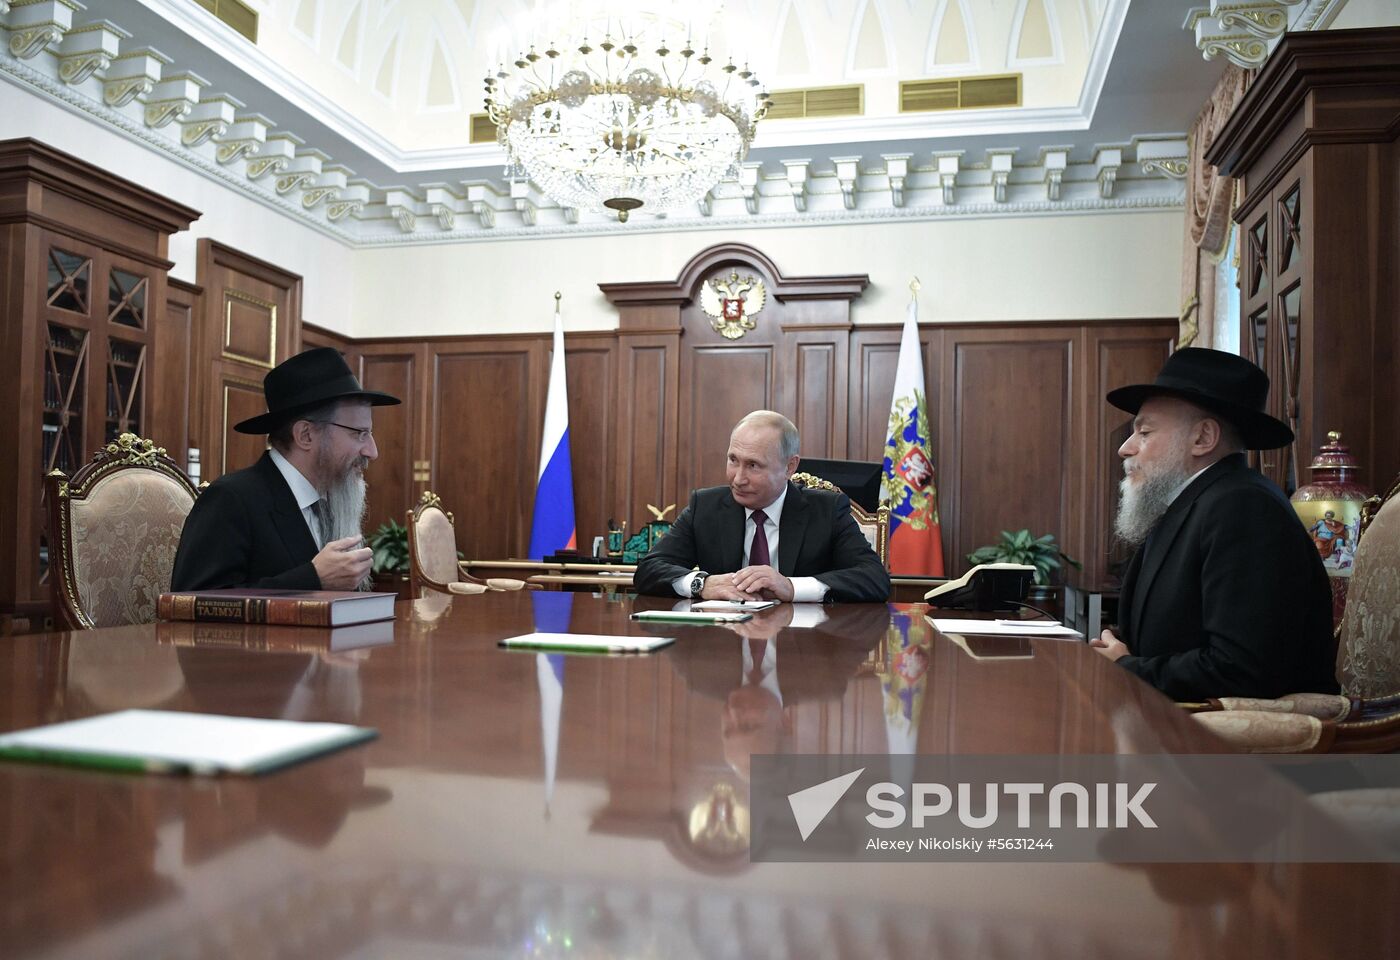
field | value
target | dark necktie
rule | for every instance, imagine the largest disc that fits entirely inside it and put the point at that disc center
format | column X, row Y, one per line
column 758, row 552
column 757, row 650
column 318, row 509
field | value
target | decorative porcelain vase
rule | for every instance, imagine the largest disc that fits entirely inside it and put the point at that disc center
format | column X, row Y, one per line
column 1330, row 508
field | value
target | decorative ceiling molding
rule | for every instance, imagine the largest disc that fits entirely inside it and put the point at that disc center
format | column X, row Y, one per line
column 142, row 96
column 1246, row 31
column 234, row 48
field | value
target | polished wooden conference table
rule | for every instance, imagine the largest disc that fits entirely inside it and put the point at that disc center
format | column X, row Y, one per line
column 517, row 805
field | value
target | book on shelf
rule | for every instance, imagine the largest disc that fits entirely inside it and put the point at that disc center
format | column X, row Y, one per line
column 289, row 608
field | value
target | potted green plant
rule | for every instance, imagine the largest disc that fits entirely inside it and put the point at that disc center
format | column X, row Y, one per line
column 1021, row 547
column 390, row 564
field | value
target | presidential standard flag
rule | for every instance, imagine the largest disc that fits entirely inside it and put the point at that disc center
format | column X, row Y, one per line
column 552, row 526
column 916, row 545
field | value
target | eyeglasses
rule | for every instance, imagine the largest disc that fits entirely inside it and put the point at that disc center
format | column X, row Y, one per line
column 362, row 435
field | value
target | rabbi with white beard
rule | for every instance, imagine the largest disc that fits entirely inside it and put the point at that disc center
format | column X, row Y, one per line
column 291, row 521
column 1226, row 595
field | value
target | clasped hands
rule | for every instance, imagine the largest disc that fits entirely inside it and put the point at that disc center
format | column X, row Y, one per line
column 750, row 583
column 343, row 564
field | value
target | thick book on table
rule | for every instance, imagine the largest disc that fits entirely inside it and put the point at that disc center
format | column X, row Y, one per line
column 288, row 608
column 275, row 639
column 168, row 741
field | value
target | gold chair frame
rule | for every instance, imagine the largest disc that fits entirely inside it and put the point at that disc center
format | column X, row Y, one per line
column 418, row 580
column 880, row 519
column 127, row 452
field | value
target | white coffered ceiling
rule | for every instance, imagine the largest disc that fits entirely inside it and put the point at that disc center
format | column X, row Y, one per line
column 353, row 115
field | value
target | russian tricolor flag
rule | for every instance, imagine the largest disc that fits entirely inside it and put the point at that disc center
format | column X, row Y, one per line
column 552, row 527
column 916, row 543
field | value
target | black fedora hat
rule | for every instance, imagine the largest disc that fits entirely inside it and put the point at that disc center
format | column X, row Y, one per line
column 1220, row 382
column 305, row 381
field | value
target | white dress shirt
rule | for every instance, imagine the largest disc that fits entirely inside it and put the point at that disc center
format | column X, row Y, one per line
column 768, row 677
column 804, row 589
column 305, row 494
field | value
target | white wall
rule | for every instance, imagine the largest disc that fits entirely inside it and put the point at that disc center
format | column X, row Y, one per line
column 1104, row 266
column 228, row 216
column 1367, row 13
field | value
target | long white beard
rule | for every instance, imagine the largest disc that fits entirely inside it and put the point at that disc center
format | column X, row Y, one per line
column 1142, row 504
column 345, row 506
column 344, row 510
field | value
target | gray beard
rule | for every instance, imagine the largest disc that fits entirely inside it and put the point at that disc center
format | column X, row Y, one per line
column 345, row 506
column 1141, row 505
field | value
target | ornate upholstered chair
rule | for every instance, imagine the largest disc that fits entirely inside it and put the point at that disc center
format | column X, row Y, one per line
column 113, row 531
column 1365, row 718
column 432, row 553
column 875, row 526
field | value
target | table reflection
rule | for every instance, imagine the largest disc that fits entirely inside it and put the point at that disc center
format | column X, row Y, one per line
column 524, row 804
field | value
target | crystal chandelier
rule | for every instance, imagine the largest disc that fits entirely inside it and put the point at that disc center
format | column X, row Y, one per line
column 633, row 111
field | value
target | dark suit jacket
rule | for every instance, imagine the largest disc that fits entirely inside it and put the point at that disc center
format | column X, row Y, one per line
column 1228, row 597
column 246, row 531
column 817, row 537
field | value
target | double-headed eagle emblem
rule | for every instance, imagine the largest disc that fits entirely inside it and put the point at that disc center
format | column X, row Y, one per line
column 732, row 303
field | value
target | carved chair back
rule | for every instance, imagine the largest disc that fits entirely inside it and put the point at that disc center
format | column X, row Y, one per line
column 875, row 526
column 113, row 529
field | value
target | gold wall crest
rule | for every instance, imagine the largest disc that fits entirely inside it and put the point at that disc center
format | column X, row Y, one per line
column 732, row 303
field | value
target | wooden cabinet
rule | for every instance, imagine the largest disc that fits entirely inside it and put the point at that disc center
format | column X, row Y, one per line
column 83, row 277
column 1314, row 144
column 249, row 322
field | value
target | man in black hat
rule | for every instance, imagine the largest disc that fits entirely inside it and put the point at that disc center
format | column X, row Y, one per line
column 1226, row 595
column 291, row 521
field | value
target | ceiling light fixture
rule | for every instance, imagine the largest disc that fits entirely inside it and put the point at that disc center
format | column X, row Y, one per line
column 634, row 111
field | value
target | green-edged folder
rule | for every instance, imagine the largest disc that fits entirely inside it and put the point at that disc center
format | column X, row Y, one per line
column 168, row 741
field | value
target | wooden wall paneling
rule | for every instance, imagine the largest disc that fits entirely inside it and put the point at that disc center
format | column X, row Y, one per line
column 314, row 336
column 486, row 423
column 1115, row 356
column 1350, row 335
column 819, row 361
column 1011, row 456
column 251, row 322
column 393, row 479
column 647, row 415
column 874, row 358
column 173, row 396
column 720, row 384
column 797, row 346
column 591, row 368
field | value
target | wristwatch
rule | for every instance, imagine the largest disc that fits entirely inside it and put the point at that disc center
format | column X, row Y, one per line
column 697, row 582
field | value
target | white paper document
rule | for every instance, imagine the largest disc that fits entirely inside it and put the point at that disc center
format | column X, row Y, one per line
column 1006, row 628
column 752, row 606
column 586, row 643
column 169, row 741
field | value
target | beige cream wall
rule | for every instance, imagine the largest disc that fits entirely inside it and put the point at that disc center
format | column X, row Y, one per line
column 1116, row 265
column 227, row 215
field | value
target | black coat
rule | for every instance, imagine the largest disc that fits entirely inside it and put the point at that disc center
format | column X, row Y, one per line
column 1228, row 597
column 817, row 537
column 246, row 531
